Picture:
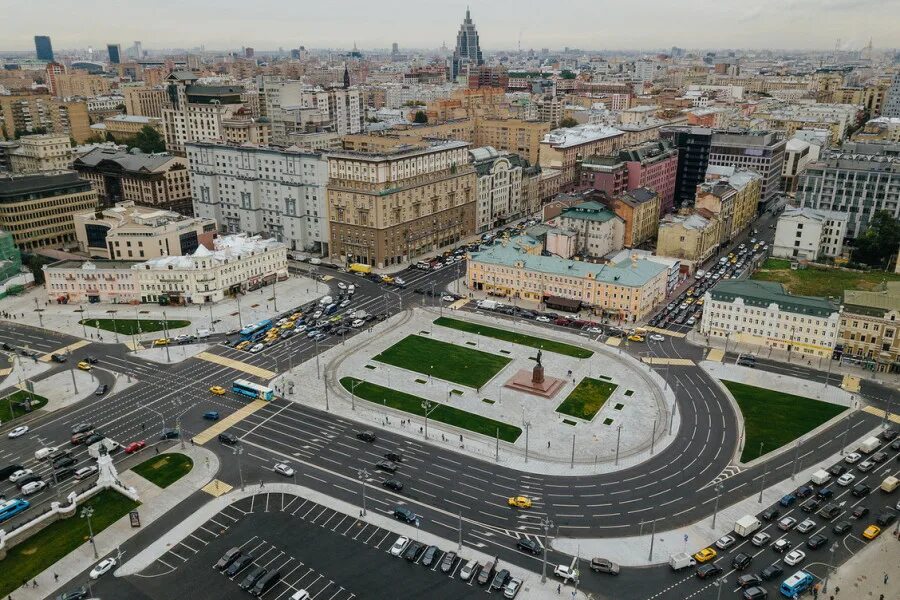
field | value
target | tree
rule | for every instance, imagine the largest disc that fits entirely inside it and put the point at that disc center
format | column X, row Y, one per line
column 110, row 137
column 567, row 74
column 420, row 117
column 567, row 122
column 148, row 140
column 879, row 242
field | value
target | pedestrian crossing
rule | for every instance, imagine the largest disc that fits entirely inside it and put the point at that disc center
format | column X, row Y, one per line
column 238, row 365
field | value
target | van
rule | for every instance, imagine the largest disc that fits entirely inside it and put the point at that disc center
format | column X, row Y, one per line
column 820, row 477
column 326, row 300
column 265, row 582
column 202, row 334
column 870, row 445
column 331, row 309
column 44, row 453
column 487, row 572
column 889, row 484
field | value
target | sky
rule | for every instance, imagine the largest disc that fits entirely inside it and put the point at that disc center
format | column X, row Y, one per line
column 586, row 24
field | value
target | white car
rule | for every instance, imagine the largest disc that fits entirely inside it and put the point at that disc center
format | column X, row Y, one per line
column 18, row 431
column 317, row 314
column 542, row 319
column 725, row 542
column 300, row 328
column 794, row 557
column 512, row 588
column 280, row 322
column 852, row 458
column 352, row 288
column 399, row 546
column 344, row 304
column 256, row 348
column 595, row 330
column 357, row 323
column 846, row 479
column 466, row 572
column 44, row 452
column 103, row 567
column 20, row 474
column 657, row 338
column 565, row 572
column 761, row 539
column 301, row 595
column 807, row 525
column 283, row 469
column 85, row 472
column 866, row 465
column 342, row 285
column 33, row 487
column 448, row 298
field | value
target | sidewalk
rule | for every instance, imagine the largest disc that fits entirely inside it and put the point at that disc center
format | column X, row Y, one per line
column 155, row 502
column 863, row 576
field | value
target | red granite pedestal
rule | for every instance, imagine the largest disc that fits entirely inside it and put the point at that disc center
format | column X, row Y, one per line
column 523, row 381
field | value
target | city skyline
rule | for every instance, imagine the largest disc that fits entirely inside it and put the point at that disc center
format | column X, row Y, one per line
column 574, row 23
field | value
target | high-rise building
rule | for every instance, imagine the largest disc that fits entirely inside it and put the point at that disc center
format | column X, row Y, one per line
column 249, row 52
column 395, row 49
column 892, row 101
column 43, row 47
column 468, row 51
column 21, row 115
column 115, row 53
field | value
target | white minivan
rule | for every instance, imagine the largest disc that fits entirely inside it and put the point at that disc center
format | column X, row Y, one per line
column 44, row 452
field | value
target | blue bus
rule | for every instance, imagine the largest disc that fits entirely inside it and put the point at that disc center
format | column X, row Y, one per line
column 12, row 507
column 796, row 584
column 252, row 333
column 252, row 390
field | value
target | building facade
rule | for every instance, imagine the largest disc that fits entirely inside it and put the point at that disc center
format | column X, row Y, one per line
column 639, row 210
column 869, row 335
column 892, row 99
column 809, row 234
column 262, row 190
column 146, row 101
column 563, row 148
column 41, row 152
column 797, row 156
column 387, row 207
column 763, row 314
column 694, row 237
column 598, row 230
column 468, row 50
column 21, row 115
column 38, row 210
column 499, row 189
column 733, row 199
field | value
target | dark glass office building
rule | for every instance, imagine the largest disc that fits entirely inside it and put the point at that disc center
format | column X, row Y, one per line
column 43, row 47
column 115, row 53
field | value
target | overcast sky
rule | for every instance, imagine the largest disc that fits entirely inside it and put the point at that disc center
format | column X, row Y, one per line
column 588, row 24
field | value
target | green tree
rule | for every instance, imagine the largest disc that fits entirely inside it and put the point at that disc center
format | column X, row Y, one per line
column 110, row 137
column 567, row 122
column 567, row 74
column 148, row 140
column 879, row 242
column 420, row 117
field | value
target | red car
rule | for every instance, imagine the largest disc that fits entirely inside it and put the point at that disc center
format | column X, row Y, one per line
column 134, row 447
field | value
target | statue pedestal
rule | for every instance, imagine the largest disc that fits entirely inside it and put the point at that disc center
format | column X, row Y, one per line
column 537, row 374
column 527, row 381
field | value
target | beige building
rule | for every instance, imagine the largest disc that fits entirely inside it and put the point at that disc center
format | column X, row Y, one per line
column 562, row 148
column 869, row 334
column 41, row 152
column 692, row 237
column 515, row 269
column 639, row 209
column 387, row 207
column 124, row 128
column 499, row 195
column 733, row 199
column 81, row 84
column 882, row 129
column 145, row 101
column 598, row 230
column 38, row 210
column 130, row 232
column 24, row 114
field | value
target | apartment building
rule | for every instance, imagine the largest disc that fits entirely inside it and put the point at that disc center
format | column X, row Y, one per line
column 882, row 129
column 500, row 188
column 511, row 135
column 809, row 234
column 733, row 199
column 38, row 209
column 836, row 118
column 274, row 192
column 869, row 334
column 692, row 237
column 296, row 107
column 639, row 210
column 80, row 84
column 562, row 148
column 41, row 152
column 155, row 180
column 763, row 314
column 390, row 206
column 598, row 230
column 127, row 231
column 797, row 156
column 23, row 114
column 146, row 101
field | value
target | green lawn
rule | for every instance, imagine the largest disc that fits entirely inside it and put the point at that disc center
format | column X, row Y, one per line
column 587, row 398
column 135, row 326
column 29, row 558
column 164, row 469
column 820, row 282
column 775, row 418
column 515, row 338
column 16, row 398
column 445, row 361
column 443, row 413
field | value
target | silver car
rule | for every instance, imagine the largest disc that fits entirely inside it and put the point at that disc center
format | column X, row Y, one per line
column 469, row 569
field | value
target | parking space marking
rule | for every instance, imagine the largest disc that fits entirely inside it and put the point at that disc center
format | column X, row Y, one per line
column 386, row 535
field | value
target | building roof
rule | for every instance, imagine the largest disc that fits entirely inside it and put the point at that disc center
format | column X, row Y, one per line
column 567, row 137
column 692, row 221
column 813, row 214
column 229, row 247
column 61, row 182
column 132, row 119
column 763, row 293
column 127, row 161
column 589, row 211
column 874, row 302
column 626, row 273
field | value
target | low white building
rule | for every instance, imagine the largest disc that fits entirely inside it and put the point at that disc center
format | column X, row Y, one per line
column 809, row 234
column 763, row 314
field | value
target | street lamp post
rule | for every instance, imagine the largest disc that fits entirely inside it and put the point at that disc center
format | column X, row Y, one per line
column 353, row 394
column 762, row 483
column 428, row 407
column 237, row 452
column 846, row 433
column 829, row 568
column 618, row 439
column 166, row 331
column 719, row 488
column 363, row 475
column 86, row 513
column 546, row 524
column 527, row 426
column 796, row 460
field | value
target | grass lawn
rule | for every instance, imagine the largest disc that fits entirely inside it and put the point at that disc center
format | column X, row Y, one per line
column 26, row 560
column 515, row 338
column 443, row 413
column 445, row 361
column 587, row 398
column 135, row 326
column 775, row 418
column 820, row 282
column 16, row 398
column 164, row 469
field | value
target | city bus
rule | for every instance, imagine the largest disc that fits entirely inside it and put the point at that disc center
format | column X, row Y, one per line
column 796, row 584
column 253, row 390
column 252, row 333
column 12, row 507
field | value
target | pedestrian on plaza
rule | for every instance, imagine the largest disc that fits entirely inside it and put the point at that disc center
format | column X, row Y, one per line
column 55, row 577
column 885, row 578
column 548, row 443
column 558, row 589
column 34, row 583
column 157, row 450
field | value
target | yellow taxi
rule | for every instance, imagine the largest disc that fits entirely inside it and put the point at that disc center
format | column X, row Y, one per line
column 84, row 365
column 288, row 325
column 705, row 555
column 296, row 316
column 872, row 532
column 519, row 502
column 242, row 345
column 218, row 390
column 161, row 342
column 700, row 302
column 689, row 300
column 636, row 338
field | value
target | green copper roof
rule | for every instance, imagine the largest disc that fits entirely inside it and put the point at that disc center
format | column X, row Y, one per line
column 763, row 293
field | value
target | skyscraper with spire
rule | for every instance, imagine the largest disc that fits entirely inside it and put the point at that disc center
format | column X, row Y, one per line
column 468, row 51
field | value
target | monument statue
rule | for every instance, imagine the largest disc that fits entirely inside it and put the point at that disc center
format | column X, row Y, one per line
column 537, row 374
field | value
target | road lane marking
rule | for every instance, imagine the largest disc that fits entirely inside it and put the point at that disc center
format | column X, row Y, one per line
column 237, row 365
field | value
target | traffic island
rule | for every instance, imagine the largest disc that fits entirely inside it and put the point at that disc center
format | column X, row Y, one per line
column 135, row 326
column 19, row 404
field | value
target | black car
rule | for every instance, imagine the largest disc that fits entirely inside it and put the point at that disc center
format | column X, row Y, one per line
column 64, row 474
column 741, row 561
column 392, row 484
column 888, row 434
column 529, row 545
column 750, row 579
column 830, row 511
column 771, row 572
column 58, row 358
column 770, row 514
column 79, row 594
column 228, row 438
column 879, row 457
column 825, row 493
column 265, row 583
column 817, row 540
column 811, row 505
column 708, row 570
column 168, row 434
column 500, row 579
column 860, row 489
column 252, row 577
column 65, row 461
column 837, row 470
column 92, row 360
column 859, row 512
column 394, row 456
column 229, row 557
column 804, row 491
column 447, row 561
column 401, row 513
column 366, row 436
column 755, row 593
column 239, row 565
column 430, row 556
column 413, row 551
column 81, row 428
column 101, row 389
column 386, row 465
column 842, row 527
column 886, row 517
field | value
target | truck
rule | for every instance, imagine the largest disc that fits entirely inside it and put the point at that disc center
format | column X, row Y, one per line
column 746, row 525
column 889, row 484
column 489, row 304
column 820, row 477
column 110, row 445
column 870, row 445
column 360, row 268
column 682, row 560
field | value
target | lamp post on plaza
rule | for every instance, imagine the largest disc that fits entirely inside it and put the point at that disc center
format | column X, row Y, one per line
column 362, row 474
column 719, row 487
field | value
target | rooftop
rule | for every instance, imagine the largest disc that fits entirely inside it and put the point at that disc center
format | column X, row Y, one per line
column 229, row 247
column 50, row 181
column 813, row 214
column 582, row 134
column 589, row 211
column 763, row 293
column 127, row 161
column 885, row 299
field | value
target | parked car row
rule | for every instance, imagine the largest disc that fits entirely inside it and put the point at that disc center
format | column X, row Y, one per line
column 257, row 580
